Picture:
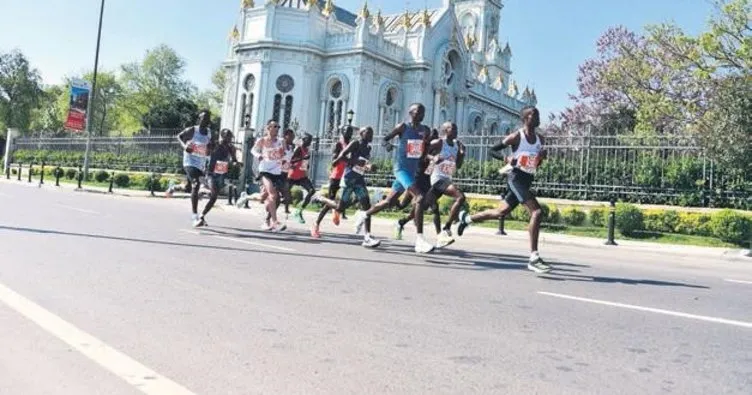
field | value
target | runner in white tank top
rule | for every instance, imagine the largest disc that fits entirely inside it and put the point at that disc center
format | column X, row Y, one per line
column 197, row 143
column 528, row 152
column 446, row 155
column 269, row 150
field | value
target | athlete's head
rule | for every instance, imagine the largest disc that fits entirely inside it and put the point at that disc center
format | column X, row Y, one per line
column 417, row 112
column 289, row 136
column 307, row 140
column 530, row 117
column 348, row 133
column 366, row 134
column 272, row 128
column 434, row 134
column 449, row 130
column 226, row 136
column 204, row 118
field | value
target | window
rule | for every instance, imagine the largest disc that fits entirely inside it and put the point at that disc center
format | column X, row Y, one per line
column 335, row 105
column 246, row 101
column 477, row 125
column 285, row 83
column 283, row 100
column 277, row 107
column 288, row 111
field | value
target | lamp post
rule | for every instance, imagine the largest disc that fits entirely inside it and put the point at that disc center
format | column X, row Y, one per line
column 350, row 116
column 294, row 125
column 93, row 92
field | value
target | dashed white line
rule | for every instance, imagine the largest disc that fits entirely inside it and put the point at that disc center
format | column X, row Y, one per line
column 134, row 373
column 236, row 240
column 81, row 210
column 738, row 281
column 716, row 320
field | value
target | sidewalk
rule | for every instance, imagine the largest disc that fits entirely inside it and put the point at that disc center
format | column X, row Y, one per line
column 384, row 226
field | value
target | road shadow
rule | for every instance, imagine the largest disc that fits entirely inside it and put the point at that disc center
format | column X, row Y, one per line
column 620, row 280
column 349, row 259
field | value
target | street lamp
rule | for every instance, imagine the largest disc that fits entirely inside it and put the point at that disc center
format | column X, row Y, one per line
column 247, row 121
column 350, row 115
column 93, row 93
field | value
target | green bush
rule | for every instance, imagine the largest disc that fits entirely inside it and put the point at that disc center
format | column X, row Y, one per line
column 731, row 226
column 665, row 221
column 476, row 205
column 694, row 224
column 71, row 174
column 573, row 216
column 102, row 176
column 598, row 216
column 122, row 180
column 297, row 195
column 629, row 219
column 554, row 215
column 546, row 212
column 520, row 213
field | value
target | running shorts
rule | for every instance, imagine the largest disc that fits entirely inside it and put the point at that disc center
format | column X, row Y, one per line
column 519, row 188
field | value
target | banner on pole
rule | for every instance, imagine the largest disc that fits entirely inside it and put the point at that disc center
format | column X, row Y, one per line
column 79, row 102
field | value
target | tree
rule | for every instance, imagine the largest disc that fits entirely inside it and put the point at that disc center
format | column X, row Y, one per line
column 49, row 116
column 176, row 114
column 157, row 81
column 20, row 90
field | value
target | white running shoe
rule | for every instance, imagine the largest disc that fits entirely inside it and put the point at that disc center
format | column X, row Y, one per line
column 444, row 239
column 422, row 246
column 370, row 242
column 266, row 226
column 360, row 222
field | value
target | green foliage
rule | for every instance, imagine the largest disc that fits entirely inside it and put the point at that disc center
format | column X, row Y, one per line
column 598, row 216
column 101, row 176
column 697, row 224
column 629, row 219
column 573, row 216
column 661, row 221
column 731, row 226
column 162, row 162
column 554, row 215
column 121, row 180
column 297, row 195
column 71, row 174
column 20, row 90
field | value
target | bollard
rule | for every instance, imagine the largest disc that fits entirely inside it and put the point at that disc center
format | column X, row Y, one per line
column 41, row 175
column 501, row 231
column 19, row 172
column 229, row 195
column 611, row 223
column 31, row 167
column 80, row 177
column 7, row 173
column 112, row 180
column 58, row 173
column 151, row 185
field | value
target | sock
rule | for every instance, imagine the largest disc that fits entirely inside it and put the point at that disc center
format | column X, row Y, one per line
column 534, row 255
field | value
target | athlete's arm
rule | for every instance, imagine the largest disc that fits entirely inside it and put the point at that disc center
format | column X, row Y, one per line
column 434, row 149
column 297, row 155
column 256, row 150
column 234, row 154
column 184, row 137
column 460, row 153
column 350, row 148
column 388, row 138
column 543, row 152
column 512, row 140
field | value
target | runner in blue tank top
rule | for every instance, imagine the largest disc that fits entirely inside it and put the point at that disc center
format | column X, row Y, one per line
column 411, row 149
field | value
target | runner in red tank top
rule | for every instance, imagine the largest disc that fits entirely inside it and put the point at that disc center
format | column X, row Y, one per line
column 298, row 174
column 335, row 177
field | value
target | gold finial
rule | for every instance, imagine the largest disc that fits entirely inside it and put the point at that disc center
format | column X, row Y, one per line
column 407, row 20
column 328, row 8
column 512, row 89
column 312, row 3
column 364, row 13
column 483, row 71
column 234, row 34
column 425, row 18
column 247, row 4
column 499, row 83
column 470, row 40
column 379, row 19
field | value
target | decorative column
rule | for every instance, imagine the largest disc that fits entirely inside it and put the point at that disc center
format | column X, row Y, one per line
column 322, row 122
column 263, row 97
column 380, row 121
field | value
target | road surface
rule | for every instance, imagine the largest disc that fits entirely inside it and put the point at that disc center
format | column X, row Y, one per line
column 111, row 295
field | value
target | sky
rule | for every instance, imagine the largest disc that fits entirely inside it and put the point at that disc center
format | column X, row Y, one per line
column 549, row 38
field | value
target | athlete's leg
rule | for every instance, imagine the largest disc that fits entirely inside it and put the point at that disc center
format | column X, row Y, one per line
column 459, row 201
column 536, row 216
column 310, row 191
column 215, row 183
column 271, row 198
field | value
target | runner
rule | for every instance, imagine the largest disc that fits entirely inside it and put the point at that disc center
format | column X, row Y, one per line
column 219, row 164
column 288, row 139
column 195, row 141
column 270, row 151
column 298, row 174
column 335, row 178
column 357, row 156
column 413, row 138
column 527, row 155
column 446, row 155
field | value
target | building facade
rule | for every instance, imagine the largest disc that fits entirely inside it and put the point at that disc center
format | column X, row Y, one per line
column 306, row 63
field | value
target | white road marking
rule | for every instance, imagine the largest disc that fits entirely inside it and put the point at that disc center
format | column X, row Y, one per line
column 4, row 194
column 716, row 320
column 82, row 210
column 234, row 239
column 123, row 366
column 738, row 281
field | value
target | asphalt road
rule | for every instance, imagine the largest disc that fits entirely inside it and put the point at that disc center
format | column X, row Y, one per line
column 112, row 295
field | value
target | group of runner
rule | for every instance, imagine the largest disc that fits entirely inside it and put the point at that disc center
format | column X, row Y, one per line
column 425, row 163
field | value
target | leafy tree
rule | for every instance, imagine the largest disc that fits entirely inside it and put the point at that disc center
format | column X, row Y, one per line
column 176, row 114
column 48, row 117
column 20, row 90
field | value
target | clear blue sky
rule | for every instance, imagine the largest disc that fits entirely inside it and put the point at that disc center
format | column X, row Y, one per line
column 549, row 38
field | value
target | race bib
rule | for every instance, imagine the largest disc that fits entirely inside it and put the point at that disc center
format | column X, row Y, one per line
column 221, row 167
column 447, row 167
column 200, row 149
column 414, row 149
column 361, row 169
column 528, row 163
column 273, row 153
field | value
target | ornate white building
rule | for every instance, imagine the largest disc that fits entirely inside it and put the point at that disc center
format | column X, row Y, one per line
column 306, row 63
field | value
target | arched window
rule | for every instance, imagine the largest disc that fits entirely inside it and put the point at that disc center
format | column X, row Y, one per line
column 494, row 130
column 389, row 106
column 477, row 125
column 283, row 100
column 246, row 101
column 334, row 105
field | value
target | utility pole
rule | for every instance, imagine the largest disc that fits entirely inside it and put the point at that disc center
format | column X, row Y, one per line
column 92, row 94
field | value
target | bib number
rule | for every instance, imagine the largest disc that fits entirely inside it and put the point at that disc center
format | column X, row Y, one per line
column 414, row 149
column 273, row 153
column 447, row 167
column 528, row 163
column 221, row 167
column 199, row 149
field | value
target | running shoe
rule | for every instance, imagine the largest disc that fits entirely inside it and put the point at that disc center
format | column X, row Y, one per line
column 398, row 228
column 278, row 227
column 537, row 264
column 444, row 239
column 266, row 226
column 370, row 242
column 315, row 232
column 336, row 218
column 463, row 223
column 299, row 216
column 422, row 246
column 199, row 222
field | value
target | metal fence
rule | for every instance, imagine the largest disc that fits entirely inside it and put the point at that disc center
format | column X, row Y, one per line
column 661, row 170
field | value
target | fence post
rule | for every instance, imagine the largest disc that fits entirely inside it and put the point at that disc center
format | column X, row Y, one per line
column 80, row 176
column 229, row 194
column 151, row 185
column 611, row 223
column 58, row 170
column 19, row 172
column 112, row 180
column 31, row 166
column 501, row 231
column 41, row 175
